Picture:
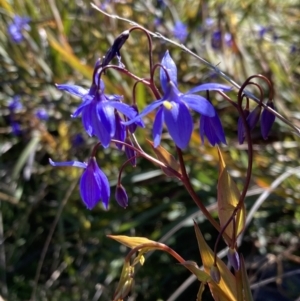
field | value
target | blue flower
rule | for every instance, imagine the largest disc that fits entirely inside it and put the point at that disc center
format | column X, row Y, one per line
column 98, row 110
column 16, row 27
column 216, row 39
column 180, row 31
column 94, row 185
column 173, row 107
column 15, row 104
column 42, row 114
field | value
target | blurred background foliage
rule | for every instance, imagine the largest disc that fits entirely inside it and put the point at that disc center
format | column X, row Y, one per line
column 51, row 246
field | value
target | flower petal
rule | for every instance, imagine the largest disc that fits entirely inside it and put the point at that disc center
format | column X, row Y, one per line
column 68, row 163
column 158, row 126
column 105, row 187
column 106, row 115
column 120, row 133
column 179, row 122
column 146, row 111
column 199, row 104
column 73, row 89
column 169, row 64
column 124, row 108
column 212, row 128
column 210, row 87
column 87, row 99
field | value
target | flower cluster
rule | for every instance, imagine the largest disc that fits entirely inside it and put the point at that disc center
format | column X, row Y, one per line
column 109, row 119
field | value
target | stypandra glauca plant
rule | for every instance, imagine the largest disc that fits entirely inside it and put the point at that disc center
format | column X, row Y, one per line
column 114, row 120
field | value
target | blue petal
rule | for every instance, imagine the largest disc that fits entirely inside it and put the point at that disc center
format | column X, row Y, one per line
column 210, row 87
column 99, row 130
column 179, row 122
column 68, row 163
column 107, row 117
column 87, row 119
column 212, row 128
column 158, row 126
column 87, row 99
column 146, row 111
column 169, row 64
column 120, row 133
column 73, row 89
column 125, row 109
column 105, row 188
column 199, row 104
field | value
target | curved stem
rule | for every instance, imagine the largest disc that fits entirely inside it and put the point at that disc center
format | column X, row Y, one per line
column 186, row 181
column 155, row 246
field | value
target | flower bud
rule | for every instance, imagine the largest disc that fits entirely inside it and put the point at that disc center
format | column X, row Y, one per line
column 215, row 274
column 130, row 153
column 267, row 120
column 241, row 128
column 121, row 196
column 253, row 117
column 132, row 127
column 234, row 259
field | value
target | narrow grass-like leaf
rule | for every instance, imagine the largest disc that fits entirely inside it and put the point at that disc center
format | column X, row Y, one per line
column 164, row 156
column 226, row 289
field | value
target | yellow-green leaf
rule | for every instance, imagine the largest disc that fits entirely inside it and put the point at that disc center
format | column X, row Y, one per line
column 131, row 242
column 228, row 198
column 193, row 267
column 226, row 288
column 165, row 157
column 245, row 281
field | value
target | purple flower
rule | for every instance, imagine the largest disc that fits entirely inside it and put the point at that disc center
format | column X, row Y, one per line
column 16, row 27
column 180, row 31
column 173, row 107
column 209, row 22
column 15, row 104
column 121, row 196
column 42, row 114
column 94, row 185
column 98, row 110
column 216, row 39
column 77, row 140
column 212, row 128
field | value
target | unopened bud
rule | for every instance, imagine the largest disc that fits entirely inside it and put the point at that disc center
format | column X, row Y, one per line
column 267, row 120
column 130, row 153
column 215, row 274
column 121, row 196
column 234, row 259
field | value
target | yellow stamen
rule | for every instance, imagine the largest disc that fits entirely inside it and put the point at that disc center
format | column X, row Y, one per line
column 167, row 105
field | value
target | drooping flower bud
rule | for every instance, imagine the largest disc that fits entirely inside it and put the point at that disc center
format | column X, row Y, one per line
column 121, row 196
column 241, row 128
column 215, row 274
column 234, row 259
column 130, row 153
column 253, row 117
column 267, row 120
